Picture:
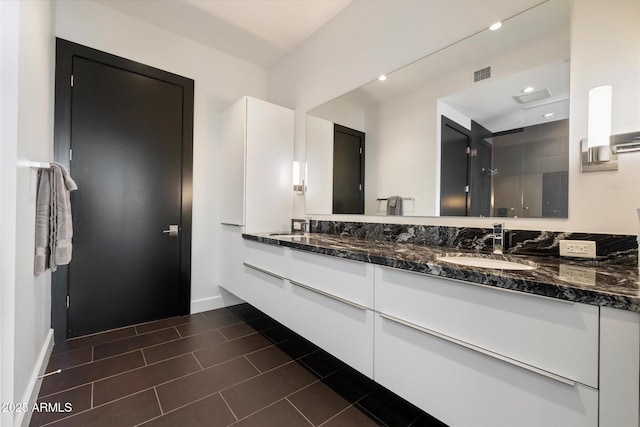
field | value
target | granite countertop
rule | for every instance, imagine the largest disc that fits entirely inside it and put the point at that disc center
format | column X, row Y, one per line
column 616, row 286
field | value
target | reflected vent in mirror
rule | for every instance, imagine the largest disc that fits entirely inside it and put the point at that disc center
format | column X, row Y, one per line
column 533, row 96
column 481, row 74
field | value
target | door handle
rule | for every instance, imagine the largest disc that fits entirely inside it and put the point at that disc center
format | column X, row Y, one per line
column 172, row 231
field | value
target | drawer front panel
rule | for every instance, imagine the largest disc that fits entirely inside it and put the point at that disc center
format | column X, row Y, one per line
column 231, row 249
column 464, row 387
column 267, row 257
column 267, row 292
column 551, row 335
column 350, row 280
column 338, row 326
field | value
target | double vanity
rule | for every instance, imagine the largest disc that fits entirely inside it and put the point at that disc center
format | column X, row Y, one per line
column 552, row 342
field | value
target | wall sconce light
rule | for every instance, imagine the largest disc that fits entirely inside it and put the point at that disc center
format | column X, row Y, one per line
column 298, row 178
column 596, row 152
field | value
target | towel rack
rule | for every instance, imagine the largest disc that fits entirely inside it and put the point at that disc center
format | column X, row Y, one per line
column 40, row 165
column 404, row 198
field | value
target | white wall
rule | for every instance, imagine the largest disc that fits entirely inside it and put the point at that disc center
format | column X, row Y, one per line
column 220, row 80
column 27, row 134
column 373, row 38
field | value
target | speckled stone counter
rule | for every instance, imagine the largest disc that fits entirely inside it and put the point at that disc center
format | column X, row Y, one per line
column 604, row 284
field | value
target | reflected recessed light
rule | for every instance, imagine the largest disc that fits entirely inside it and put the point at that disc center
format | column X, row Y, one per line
column 495, row 26
column 382, row 78
column 547, row 115
column 528, row 89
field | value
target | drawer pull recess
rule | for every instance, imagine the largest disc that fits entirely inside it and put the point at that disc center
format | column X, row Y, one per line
column 268, row 273
column 328, row 295
column 232, row 224
column 481, row 350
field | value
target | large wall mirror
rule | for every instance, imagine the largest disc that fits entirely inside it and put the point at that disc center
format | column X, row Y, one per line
column 479, row 128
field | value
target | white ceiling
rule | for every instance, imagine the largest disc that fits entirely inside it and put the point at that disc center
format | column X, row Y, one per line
column 258, row 31
column 491, row 99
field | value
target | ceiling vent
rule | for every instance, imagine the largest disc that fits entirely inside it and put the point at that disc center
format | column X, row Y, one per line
column 481, row 74
column 533, row 96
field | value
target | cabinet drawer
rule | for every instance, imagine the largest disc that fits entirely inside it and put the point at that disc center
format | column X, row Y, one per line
column 350, row 280
column 270, row 258
column 338, row 326
column 553, row 335
column 465, row 387
column 267, row 292
column 231, row 248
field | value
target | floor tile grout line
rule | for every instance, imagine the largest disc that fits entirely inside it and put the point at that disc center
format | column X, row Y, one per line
column 144, row 358
column 197, row 360
column 363, row 409
column 155, row 391
column 212, row 329
column 261, row 409
column 92, row 384
column 62, row 391
column 335, row 415
column 93, row 360
column 228, row 406
column 251, row 363
column 299, row 411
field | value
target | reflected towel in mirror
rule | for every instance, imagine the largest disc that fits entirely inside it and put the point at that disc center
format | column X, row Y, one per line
column 394, row 205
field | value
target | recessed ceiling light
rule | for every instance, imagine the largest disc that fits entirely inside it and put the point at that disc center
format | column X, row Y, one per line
column 495, row 26
column 528, row 89
column 547, row 115
column 382, row 78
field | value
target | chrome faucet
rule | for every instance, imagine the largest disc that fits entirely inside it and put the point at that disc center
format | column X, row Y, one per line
column 498, row 238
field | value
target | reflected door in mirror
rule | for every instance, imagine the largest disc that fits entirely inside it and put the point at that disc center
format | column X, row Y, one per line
column 348, row 171
column 454, row 167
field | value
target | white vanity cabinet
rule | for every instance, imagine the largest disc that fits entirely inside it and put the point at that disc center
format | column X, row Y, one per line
column 257, row 148
column 473, row 355
column 332, row 305
column 470, row 355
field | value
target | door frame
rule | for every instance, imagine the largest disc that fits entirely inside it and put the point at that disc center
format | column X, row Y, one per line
column 65, row 51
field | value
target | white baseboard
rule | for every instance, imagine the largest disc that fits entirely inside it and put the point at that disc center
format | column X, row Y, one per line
column 31, row 394
column 211, row 303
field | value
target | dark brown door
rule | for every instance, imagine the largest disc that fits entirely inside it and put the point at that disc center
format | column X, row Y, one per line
column 128, row 158
column 454, row 168
column 348, row 171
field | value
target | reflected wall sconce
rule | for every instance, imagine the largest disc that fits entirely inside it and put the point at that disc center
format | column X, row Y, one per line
column 298, row 177
column 600, row 150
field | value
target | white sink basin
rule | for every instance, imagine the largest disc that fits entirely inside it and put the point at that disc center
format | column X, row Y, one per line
column 492, row 263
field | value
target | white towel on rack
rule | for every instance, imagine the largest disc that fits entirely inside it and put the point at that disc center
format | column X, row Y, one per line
column 54, row 227
column 394, row 205
column 43, row 209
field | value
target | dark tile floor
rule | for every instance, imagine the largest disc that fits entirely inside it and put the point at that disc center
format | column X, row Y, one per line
column 232, row 366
